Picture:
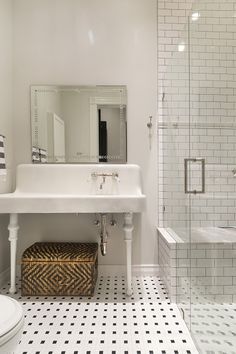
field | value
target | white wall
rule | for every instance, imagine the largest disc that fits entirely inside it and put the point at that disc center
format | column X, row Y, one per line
column 84, row 42
column 5, row 115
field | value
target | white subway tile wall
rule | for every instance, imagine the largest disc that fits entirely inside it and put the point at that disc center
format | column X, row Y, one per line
column 204, row 124
column 197, row 118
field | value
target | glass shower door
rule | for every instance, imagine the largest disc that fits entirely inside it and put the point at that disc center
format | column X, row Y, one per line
column 174, row 147
column 210, row 173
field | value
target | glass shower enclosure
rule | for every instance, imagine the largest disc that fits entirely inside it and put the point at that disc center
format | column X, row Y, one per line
column 197, row 174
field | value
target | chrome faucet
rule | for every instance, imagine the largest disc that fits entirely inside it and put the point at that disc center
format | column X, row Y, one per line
column 103, row 182
column 113, row 175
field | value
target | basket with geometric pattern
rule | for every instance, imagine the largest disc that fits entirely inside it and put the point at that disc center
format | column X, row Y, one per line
column 59, row 268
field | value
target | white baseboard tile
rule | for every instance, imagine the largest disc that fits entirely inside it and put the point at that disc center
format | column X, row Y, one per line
column 4, row 276
column 144, row 269
column 111, row 270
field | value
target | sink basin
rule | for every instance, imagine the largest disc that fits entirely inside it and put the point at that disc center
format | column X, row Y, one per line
column 71, row 188
column 68, row 188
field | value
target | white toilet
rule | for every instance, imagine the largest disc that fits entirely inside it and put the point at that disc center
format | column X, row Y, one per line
column 11, row 324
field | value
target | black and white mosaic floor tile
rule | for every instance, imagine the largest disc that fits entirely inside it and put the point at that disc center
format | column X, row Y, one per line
column 108, row 323
column 214, row 327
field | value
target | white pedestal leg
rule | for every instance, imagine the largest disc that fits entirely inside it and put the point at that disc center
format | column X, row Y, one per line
column 128, row 229
column 13, row 228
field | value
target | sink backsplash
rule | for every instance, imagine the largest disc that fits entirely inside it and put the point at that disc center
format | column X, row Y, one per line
column 110, row 186
column 79, row 179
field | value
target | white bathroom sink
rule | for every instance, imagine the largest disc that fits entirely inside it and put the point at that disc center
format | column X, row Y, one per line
column 68, row 188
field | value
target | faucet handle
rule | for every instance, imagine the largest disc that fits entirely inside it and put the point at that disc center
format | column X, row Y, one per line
column 116, row 177
column 92, row 177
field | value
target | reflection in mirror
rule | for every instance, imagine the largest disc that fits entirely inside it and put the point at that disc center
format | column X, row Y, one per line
column 79, row 124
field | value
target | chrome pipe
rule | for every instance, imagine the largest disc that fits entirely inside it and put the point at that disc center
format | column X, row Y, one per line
column 103, row 235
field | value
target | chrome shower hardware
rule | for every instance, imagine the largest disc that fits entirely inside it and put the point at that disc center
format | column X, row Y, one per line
column 149, row 124
column 186, row 175
column 234, row 172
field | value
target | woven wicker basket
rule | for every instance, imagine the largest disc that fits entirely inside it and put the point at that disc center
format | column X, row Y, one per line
column 53, row 268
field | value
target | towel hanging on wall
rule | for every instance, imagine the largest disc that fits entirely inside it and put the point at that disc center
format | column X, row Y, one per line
column 3, row 170
column 35, row 155
column 43, row 155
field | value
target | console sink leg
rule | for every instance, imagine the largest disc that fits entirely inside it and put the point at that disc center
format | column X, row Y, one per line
column 13, row 228
column 128, row 229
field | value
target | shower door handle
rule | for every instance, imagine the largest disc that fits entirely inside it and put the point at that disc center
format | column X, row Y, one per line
column 186, row 175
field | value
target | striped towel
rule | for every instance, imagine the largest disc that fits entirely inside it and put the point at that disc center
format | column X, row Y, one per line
column 3, row 170
column 43, row 155
column 35, row 155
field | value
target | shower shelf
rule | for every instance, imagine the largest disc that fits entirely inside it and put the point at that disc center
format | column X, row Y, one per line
column 163, row 125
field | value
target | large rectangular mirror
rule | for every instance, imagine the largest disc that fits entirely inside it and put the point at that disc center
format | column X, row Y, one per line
column 79, row 124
